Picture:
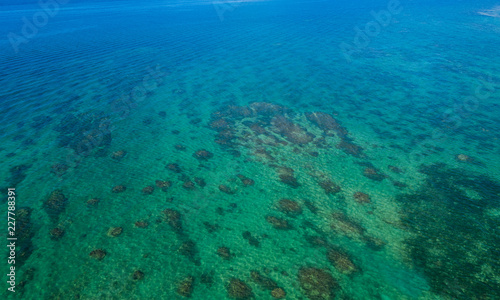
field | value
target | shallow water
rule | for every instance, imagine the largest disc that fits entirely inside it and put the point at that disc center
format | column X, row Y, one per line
column 389, row 155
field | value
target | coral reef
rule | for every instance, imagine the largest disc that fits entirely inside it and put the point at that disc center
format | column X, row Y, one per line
column 224, row 188
column 286, row 175
column 148, row 190
column 56, row 233
column 251, row 239
column 98, row 254
column 189, row 185
column 224, row 252
column 245, row 180
column 463, row 158
column 118, row 155
column 439, row 215
column 174, row 167
column 163, row 184
column 342, row 224
column 290, row 131
column 361, row 197
column 310, row 205
column 317, row 284
column 185, row 287
column 17, row 174
column 59, row 169
column 278, row 293
column 138, row 275
column 395, row 169
column 329, row 186
column 289, row 207
column 341, row 261
column 173, row 218
column 207, row 278
column 350, row 148
column 92, row 202
column 238, row 289
column 326, row 123
column 211, row 227
column 373, row 174
column 203, row 154
column 263, row 281
column 279, row 223
column 24, row 233
column 316, row 241
column 189, row 250
column 200, row 181
column 141, row 224
column 55, row 204
column 114, row 231
column 119, row 189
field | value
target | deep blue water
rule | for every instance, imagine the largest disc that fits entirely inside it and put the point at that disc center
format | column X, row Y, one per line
column 260, row 149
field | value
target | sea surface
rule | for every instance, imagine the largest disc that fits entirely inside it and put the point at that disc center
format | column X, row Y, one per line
column 251, row 149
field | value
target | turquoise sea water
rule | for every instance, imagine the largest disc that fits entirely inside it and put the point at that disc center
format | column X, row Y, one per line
column 152, row 146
